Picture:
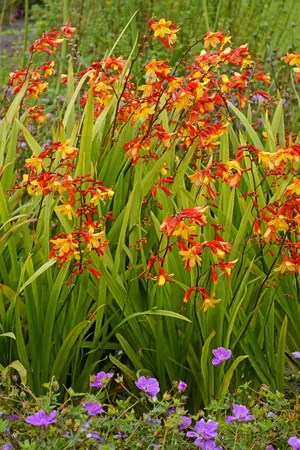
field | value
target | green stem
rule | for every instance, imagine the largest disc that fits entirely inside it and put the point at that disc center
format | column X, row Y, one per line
column 25, row 31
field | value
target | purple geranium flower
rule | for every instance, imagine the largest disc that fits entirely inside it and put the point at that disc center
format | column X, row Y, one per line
column 270, row 447
column 93, row 408
column 271, row 414
column 256, row 98
column 220, row 355
column 209, row 445
column 94, row 435
column 186, row 422
column 40, row 419
column 294, row 442
column 240, row 413
column 203, row 431
column 13, row 417
column 100, row 379
column 181, row 386
column 148, row 420
column 296, row 355
column 121, row 435
column 148, row 385
column 7, row 446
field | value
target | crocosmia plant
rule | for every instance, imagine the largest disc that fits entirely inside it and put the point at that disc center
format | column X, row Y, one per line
column 149, row 219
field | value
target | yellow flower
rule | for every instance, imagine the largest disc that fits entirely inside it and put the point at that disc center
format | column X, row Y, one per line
column 66, row 245
column 286, row 266
column 34, row 188
column 161, row 28
column 101, row 195
column 267, row 159
column 66, row 210
column 94, row 239
column 183, row 230
column 293, row 188
column 192, row 256
column 183, row 101
column 35, row 162
column 279, row 223
column 209, row 302
column 66, row 150
column 143, row 111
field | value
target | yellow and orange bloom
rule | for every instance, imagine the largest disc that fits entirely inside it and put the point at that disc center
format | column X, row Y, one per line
column 101, row 195
column 35, row 163
column 66, row 150
column 66, row 209
column 293, row 188
column 209, row 302
column 191, row 256
column 68, row 30
column 279, row 223
column 182, row 230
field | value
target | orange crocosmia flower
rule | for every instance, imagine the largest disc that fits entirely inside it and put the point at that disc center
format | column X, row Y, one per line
column 169, row 225
column 268, row 159
column 57, row 186
column 162, row 276
column 68, row 30
column 188, row 293
column 143, row 111
column 48, row 68
column 35, row 163
column 246, row 62
column 101, row 86
column 195, row 215
column 94, row 240
column 293, row 59
column 174, row 83
column 156, row 69
column 191, row 256
column 47, row 43
column 183, row 230
column 165, row 31
column 35, row 89
column 66, row 248
column 63, row 78
column 102, row 195
column 227, row 267
column 218, row 246
column 35, row 187
column 285, row 155
column 147, row 89
column 279, row 223
column 66, row 210
column 66, row 150
column 183, row 101
column 233, row 176
column 214, row 38
column 264, row 77
column 293, row 188
column 202, row 177
column 209, row 302
column 270, row 235
column 37, row 114
column 287, row 265
column 161, row 28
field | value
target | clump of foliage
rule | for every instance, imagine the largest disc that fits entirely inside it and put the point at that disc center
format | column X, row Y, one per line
column 111, row 417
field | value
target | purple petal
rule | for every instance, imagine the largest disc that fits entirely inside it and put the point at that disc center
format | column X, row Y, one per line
column 191, row 434
column 216, row 361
